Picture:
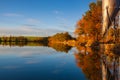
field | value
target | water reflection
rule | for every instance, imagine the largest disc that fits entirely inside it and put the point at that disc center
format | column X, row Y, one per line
column 21, row 44
column 58, row 46
column 110, row 62
column 37, row 63
column 90, row 63
column 97, row 63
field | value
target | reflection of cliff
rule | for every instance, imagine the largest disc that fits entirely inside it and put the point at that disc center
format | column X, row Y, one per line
column 111, row 68
column 111, row 62
column 89, row 62
column 60, row 47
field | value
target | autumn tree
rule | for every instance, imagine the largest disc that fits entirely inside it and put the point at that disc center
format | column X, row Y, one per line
column 90, row 23
column 60, row 37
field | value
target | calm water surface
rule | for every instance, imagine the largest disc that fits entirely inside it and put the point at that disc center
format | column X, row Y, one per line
column 59, row 62
column 38, row 63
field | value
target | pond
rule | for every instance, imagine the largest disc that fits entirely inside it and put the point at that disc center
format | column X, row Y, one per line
column 57, row 62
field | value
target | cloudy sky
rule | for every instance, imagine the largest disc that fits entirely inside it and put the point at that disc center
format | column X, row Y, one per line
column 40, row 17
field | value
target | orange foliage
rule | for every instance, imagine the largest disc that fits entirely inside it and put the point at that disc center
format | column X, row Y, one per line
column 90, row 64
column 90, row 23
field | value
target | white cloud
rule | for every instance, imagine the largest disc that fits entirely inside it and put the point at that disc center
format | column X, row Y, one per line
column 12, row 15
column 65, row 24
column 31, row 20
column 57, row 12
column 27, row 31
column 62, row 19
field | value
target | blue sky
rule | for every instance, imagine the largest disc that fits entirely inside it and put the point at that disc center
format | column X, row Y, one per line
column 20, row 16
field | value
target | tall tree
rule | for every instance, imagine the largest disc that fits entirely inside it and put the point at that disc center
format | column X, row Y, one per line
column 90, row 23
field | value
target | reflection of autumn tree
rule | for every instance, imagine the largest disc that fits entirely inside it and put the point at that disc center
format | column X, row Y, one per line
column 89, row 62
column 60, row 47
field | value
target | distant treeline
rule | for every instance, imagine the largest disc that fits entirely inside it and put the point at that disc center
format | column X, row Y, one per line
column 25, row 40
column 57, row 37
column 55, row 41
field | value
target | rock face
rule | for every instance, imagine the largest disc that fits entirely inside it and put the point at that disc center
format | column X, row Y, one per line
column 109, row 8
